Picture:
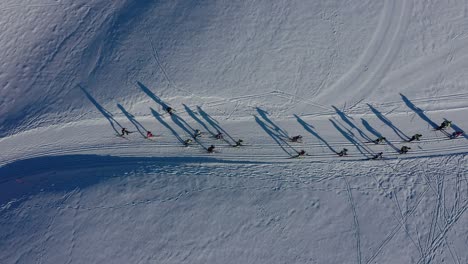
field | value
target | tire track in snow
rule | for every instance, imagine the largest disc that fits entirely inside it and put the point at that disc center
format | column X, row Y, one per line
column 357, row 232
column 163, row 70
column 378, row 56
column 389, row 53
column 395, row 229
column 141, row 146
column 437, row 241
column 434, row 241
column 73, row 233
column 47, row 235
column 421, row 69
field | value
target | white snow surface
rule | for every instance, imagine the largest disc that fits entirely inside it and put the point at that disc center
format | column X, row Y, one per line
column 340, row 73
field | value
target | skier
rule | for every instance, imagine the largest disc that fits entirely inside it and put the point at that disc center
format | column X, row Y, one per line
column 301, row 153
column 404, row 149
column 378, row 156
column 379, row 140
column 124, row 131
column 415, row 137
column 219, row 135
column 444, row 125
column 187, row 142
column 342, row 153
column 149, row 134
column 238, row 143
column 196, row 133
column 169, row 110
column 210, row 149
column 456, row 134
column 297, row 138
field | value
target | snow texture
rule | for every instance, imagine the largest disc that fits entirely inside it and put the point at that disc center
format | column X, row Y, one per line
column 340, row 73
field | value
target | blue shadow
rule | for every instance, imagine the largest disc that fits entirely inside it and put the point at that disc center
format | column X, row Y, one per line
column 279, row 132
column 309, row 128
column 389, row 123
column 214, row 124
column 288, row 149
column 103, row 111
column 194, row 116
column 52, row 173
column 140, row 128
column 155, row 98
column 378, row 134
column 370, row 128
column 347, row 120
column 418, row 111
column 161, row 120
column 350, row 137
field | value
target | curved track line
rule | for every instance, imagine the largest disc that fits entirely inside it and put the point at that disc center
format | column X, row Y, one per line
column 357, row 232
column 359, row 71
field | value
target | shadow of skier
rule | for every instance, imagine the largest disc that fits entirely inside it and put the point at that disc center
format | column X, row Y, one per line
column 161, row 120
column 215, row 124
column 377, row 134
column 309, row 128
column 389, row 123
column 351, row 138
column 347, row 120
column 103, row 111
column 139, row 127
column 155, row 98
column 418, row 111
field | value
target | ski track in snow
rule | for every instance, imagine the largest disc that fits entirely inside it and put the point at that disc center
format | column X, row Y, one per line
column 357, row 232
column 367, row 72
column 425, row 200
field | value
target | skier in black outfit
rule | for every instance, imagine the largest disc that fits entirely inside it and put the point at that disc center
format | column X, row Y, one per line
column 404, row 149
column 124, row 131
column 210, row 149
column 379, row 140
column 297, row 138
column 169, row 110
column 196, row 134
column 444, row 125
column 301, row 153
column 238, row 143
column 378, row 156
column 415, row 137
column 219, row 135
column 342, row 153
column 187, row 142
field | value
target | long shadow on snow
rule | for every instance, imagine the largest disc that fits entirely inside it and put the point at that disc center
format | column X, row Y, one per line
column 194, row 116
column 54, row 173
column 377, row 134
column 347, row 120
column 309, row 128
column 279, row 131
column 370, row 128
column 180, row 123
column 183, row 125
column 140, row 128
column 161, row 120
column 155, row 98
column 389, row 123
column 214, row 123
column 285, row 146
column 103, row 111
column 418, row 111
column 350, row 137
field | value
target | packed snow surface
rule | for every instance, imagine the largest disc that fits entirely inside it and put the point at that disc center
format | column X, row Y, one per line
column 339, row 73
